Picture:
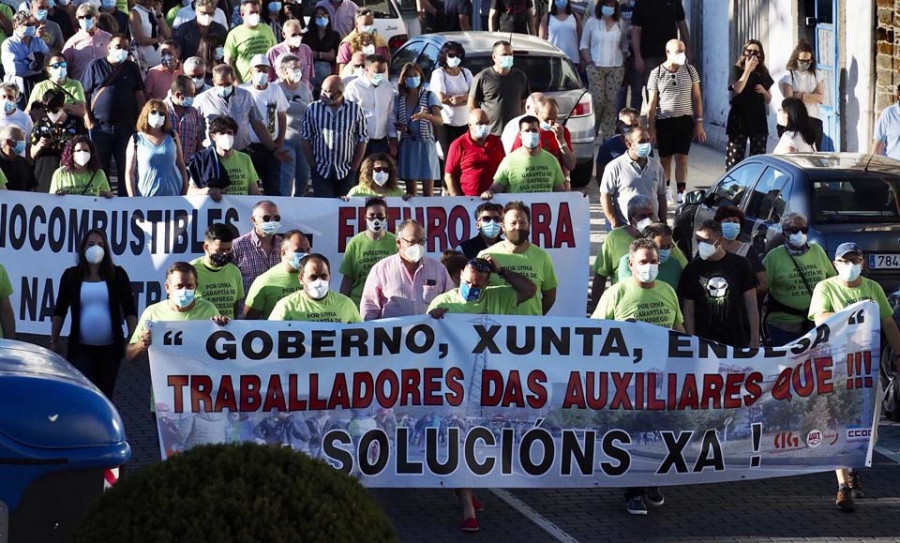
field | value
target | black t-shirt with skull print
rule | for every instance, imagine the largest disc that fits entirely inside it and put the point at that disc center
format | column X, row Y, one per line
column 717, row 290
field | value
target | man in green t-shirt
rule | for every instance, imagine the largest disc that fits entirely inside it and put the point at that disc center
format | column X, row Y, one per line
column 281, row 279
column 57, row 72
column 835, row 294
column 366, row 248
column 7, row 315
column 248, row 39
column 644, row 299
column 475, row 296
column 181, row 304
column 528, row 168
column 640, row 215
column 218, row 280
column 207, row 164
column 669, row 267
column 315, row 302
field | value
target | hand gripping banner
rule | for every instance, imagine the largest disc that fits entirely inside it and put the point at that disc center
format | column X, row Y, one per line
column 490, row 401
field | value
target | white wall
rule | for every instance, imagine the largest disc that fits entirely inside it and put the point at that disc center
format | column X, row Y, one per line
column 859, row 107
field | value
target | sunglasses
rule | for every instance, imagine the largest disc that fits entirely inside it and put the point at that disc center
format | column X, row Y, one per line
column 381, row 169
column 56, row 65
column 156, row 112
column 797, row 229
column 751, row 53
column 267, row 218
column 83, row 17
column 491, row 219
column 479, row 265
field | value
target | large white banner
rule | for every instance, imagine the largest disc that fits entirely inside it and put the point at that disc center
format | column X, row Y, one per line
column 489, row 401
column 40, row 233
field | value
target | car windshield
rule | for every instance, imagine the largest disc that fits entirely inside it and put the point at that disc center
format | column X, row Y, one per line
column 545, row 74
column 862, row 199
column 381, row 9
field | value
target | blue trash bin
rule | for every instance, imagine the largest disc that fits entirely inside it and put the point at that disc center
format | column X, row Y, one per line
column 58, row 435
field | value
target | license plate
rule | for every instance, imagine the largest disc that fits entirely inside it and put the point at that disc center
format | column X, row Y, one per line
column 884, row 262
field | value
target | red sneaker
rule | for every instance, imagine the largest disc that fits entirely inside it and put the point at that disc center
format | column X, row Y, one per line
column 470, row 525
column 477, row 505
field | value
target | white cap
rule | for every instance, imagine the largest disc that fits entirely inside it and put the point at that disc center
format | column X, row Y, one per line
column 260, row 60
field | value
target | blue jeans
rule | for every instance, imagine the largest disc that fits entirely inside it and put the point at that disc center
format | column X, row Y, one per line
column 294, row 173
column 778, row 337
column 332, row 186
column 111, row 142
column 634, row 80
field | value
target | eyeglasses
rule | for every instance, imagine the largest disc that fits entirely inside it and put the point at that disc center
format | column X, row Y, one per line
column 413, row 241
column 797, row 229
column 479, row 265
column 851, row 260
column 381, row 169
column 267, row 218
column 491, row 219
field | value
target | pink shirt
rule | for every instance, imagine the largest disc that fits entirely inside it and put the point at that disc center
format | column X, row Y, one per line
column 82, row 48
column 343, row 19
column 391, row 291
column 304, row 53
column 158, row 81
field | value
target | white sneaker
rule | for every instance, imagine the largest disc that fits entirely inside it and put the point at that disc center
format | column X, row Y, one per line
column 680, row 198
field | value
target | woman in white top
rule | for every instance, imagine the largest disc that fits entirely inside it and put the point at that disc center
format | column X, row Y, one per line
column 450, row 83
column 562, row 27
column 798, row 136
column 148, row 31
column 603, row 50
column 804, row 83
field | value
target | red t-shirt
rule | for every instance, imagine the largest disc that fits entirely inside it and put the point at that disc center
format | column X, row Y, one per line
column 549, row 144
column 473, row 164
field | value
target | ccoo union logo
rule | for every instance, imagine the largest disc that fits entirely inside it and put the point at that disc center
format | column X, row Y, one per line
column 858, row 434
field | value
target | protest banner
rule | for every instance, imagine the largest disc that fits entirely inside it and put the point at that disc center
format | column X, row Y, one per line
column 40, row 233
column 491, row 401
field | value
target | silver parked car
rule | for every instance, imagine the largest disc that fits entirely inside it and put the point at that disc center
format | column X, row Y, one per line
column 549, row 70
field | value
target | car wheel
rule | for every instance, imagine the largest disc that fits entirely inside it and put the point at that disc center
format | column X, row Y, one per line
column 582, row 173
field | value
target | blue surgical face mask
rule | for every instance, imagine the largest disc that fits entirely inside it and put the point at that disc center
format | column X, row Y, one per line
column 664, row 255
column 546, row 126
column 20, row 147
column 41, row 14
column 29, row 31
column 530, row 139
column 377, row 79
column 608, row 11
column 731, row 230
column 8, row 106
column 119, row 56
column 86, row 24
column 561, row 4
column 295, row 261
column 321, row 22
column 108, row 4
column 482, row 131
column 413, row 82
column 274, row 6
column 643, row 149
column 224, row 92
column 505, row 62
column 182, row 297
column 468, row 293
column 187, row 101
column 59, row 73
column 490, row 229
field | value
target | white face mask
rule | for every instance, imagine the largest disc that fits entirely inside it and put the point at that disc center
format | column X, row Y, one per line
column 706, row 250
column 294, row 41
column 260, row 79
column 225, row 141
column 368, row 49
column 453, row 62
column 644, row 223
column 317, row 289
column 380, row 178
column 647, row 272
column 81, row 157
column 414, row 253
column 680, row 59
column 155, row 120
column 848, row 271
column 252, row 19
column 797, row 240
column 204, row 19
column 94, row 254
column 55, row 116
column 296, row 75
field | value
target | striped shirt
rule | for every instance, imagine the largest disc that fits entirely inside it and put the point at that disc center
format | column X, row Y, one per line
column 334, row 135
column 240, row 106
column 188, row 126
column 674, row 90
column 251, row 258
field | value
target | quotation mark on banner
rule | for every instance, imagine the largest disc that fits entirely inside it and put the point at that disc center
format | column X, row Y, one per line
column 857, row 318
column 170, row 339
column 855, row 363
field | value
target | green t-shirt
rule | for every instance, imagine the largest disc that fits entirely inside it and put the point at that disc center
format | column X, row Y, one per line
column 241, row 172
column 628, row 300
column 6, row 10
column 359, row 190
column 73, row 90
column 222, row 287
column 271, row 286
column 361, row 254
column 616, row 244
column 785, row 283
column 521, row 172
column 334, row 307
column 493, row 301
column 171, row 14
column 243, row 42
column 535, row 264
column 831, row 296
column 669, row 271
column 77, row 182
column 6, row 289
column 3, row 180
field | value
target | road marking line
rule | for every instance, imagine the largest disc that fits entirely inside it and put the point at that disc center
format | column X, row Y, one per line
column 534, row 516
column 884, row 451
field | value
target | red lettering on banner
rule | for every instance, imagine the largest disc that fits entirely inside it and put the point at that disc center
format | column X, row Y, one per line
column 621, row 400
column 598, row 400
column 454, row 379
column 538, row 396
column 491, row 388
column 178, row 382
column 340, row 397
column 362, row 399
column 315, row 402
column 653, row 403
column 459, row 226
column 389, row 377
column 754, row 391
column 409, row 392
column 274, row 395
column 712, row 391
column 565, row 233
column 250, row 398
column 225, row 399
column 689, row 393
column 201, row 391
column 541, row 217
column 733, row 390
column 436, row 229
column 295, row 403
column 346, row 228
column 431, row 377
column 824, row 374
column 574, row 396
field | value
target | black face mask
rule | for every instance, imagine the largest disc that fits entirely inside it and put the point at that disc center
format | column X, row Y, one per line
column 220, row 259
column 517, row 237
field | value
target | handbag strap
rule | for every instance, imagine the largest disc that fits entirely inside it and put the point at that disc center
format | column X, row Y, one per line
column 90, row 182
column 797, row 267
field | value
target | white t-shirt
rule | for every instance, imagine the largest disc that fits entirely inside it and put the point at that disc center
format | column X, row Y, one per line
column 510, row 131
column 806, row 83
column 186, row 14
column 269, row 101
column 792, row 140
column 18, row 118
column 452, row 85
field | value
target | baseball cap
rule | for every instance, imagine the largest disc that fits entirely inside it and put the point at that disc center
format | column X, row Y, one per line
column 260, row 59
column 847, row 248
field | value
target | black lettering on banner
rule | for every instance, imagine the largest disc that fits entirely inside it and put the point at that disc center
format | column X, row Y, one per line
column 354, row 338
column 679, row 345
column 561, row 343
column 548, row 451
column 507, row 439
column 323, row 344
column 475, row 435
column 387, row 341
column 404, row 466
column 588, row 334
column 220, row 345
column 572, row 450
column 486, row 339
column 513, row 345
column 413, row 345
column 32, row 291
column 33, row 229
column 338, row 457
column 431, row 448
column 674, row 455
column 290, row 344
column 373, row 440
column 614, row 343
column 611, row 448
column 710, row 453
column 247, row 345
